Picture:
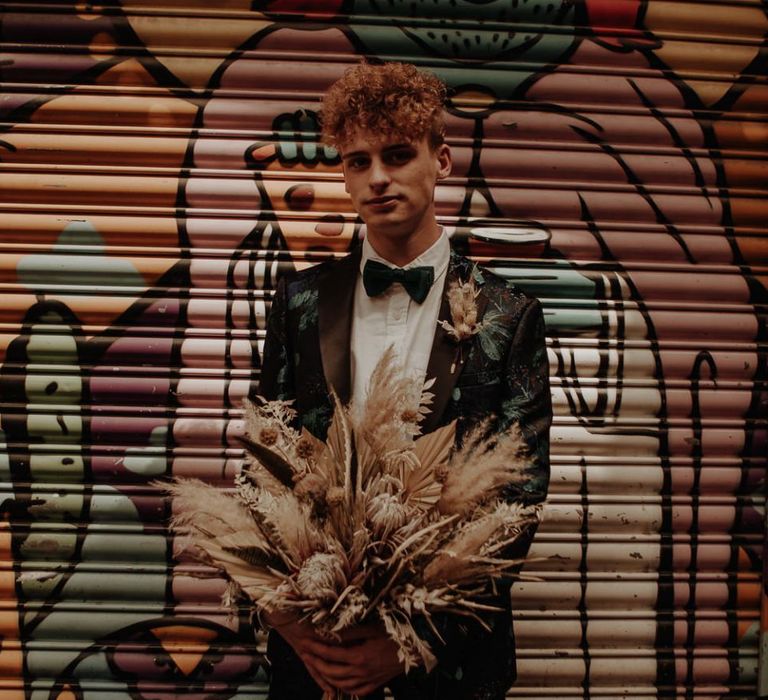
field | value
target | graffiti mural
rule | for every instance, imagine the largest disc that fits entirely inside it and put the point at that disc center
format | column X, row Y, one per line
column 159, row 172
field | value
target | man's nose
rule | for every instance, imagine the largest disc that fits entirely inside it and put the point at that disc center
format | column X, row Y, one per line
column 379, row 175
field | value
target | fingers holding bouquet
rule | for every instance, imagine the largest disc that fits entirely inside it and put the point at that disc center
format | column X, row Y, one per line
column 362, row 660
column 365, row 659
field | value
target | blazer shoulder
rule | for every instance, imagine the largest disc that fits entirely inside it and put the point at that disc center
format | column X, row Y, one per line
column 501, row 291
column 309, row 278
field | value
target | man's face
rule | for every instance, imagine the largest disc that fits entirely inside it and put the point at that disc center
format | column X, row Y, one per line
column 392, row 182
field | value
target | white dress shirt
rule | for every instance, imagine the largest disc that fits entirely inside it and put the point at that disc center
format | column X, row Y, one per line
column 393, row 318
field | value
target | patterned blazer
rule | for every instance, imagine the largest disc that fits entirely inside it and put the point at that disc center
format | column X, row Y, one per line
column 502, row 372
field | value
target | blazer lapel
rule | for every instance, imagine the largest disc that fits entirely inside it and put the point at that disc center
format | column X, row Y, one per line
column 447, row 358
column 336, row 293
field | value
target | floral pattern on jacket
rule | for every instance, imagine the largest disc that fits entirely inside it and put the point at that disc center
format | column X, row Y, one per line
column 502, row 374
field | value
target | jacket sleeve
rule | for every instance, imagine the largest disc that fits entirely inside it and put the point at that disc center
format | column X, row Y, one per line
column 526, row 401
column 276, row 380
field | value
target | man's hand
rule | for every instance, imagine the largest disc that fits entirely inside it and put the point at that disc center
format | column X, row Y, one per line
column 307, row 644
column 364, row 661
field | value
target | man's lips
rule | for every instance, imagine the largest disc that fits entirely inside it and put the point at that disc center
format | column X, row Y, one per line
column 382, row 200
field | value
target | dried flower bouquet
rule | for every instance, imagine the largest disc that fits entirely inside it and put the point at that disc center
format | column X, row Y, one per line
column 377, row 522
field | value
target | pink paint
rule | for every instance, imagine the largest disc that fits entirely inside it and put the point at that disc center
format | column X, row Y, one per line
column 716, row 442
column 713, row 404
column 724, row 287
column 709, row 594
column 737, row 364
column 738, row 325
column 199, row 431
column 201, row 392
column 713, row 479
column 191, row 589
column 214, row 468
column 710, row 557
column 709, row 666
column 711, row 519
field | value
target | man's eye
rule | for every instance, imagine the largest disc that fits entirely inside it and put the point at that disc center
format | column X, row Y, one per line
column 399, row 157
column 357, row 163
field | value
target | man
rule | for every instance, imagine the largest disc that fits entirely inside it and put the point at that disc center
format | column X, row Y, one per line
column 329, row 326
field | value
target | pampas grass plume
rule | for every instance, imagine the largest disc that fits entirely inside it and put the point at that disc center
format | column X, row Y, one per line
column 205, row 508
column 481, row 468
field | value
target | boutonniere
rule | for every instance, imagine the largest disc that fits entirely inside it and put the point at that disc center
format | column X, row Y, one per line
column 462, row 301
column 465, row 324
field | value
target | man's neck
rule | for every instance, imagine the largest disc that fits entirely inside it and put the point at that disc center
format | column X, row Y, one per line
column 401, row 250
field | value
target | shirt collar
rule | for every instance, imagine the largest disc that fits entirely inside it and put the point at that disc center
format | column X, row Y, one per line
column 436, row 256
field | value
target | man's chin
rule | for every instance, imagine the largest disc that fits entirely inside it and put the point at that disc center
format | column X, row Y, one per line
column 388, row 227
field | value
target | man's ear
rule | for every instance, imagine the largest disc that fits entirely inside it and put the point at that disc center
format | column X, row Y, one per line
column 444, row 161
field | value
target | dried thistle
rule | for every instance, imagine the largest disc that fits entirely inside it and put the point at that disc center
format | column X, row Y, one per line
column 268, row 436
column 305, row 449
column 311, row 488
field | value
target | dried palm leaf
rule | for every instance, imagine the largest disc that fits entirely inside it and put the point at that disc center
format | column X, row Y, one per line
column 339, row 441
column 361, row 539
column 368, row 459
column 432, row 451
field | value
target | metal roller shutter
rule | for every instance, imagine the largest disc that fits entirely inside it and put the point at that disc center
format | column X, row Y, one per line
column 159, row 171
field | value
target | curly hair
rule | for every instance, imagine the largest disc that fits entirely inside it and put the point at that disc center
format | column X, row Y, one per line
column 394, row 99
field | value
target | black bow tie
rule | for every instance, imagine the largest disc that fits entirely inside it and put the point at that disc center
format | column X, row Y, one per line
column 377, row 278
